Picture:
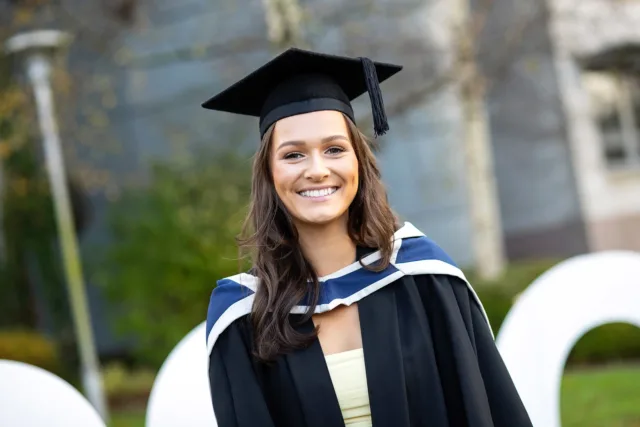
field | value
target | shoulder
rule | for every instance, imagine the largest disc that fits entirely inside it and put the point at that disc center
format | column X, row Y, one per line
column 421, row 248
column 231, row 299
column 422, row 256
column 418, row 255
column 415, row 253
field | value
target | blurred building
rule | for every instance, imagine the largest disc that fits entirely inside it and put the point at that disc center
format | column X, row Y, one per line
column 597, row 57
column 564, row 122
column 562, row 105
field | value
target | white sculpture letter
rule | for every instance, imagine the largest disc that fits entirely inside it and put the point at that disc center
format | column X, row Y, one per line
column 31, row 396
column 556, row 310
column 180, row 394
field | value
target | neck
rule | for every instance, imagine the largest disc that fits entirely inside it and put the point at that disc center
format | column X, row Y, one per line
column 328, row 247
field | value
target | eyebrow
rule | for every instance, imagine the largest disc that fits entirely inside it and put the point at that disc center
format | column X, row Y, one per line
column 323, row 141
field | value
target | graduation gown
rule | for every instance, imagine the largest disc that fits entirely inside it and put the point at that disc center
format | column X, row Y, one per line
column 429, row 352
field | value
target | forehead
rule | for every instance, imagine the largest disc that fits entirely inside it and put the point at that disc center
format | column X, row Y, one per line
column 310, row 127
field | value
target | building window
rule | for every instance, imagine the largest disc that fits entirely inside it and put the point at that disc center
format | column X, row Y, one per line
column 614, row 101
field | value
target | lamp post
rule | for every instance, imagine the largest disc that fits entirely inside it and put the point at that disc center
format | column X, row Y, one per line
column 36, row 50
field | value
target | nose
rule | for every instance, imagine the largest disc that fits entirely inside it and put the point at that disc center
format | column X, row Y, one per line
column 317, row 170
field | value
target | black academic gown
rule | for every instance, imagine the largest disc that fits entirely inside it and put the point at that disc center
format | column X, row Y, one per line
column 430, row 360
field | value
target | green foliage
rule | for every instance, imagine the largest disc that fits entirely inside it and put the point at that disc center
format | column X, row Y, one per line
column 30, row 347
column 606, row 343
column 28, row 225
column 29, row 230
column 171, row 242
column 117, row 380
column 499, row 295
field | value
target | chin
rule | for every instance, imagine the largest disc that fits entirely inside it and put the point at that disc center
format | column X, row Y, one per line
column 320, row 218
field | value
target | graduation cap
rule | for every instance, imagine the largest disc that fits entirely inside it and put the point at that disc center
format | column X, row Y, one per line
column 299, row 81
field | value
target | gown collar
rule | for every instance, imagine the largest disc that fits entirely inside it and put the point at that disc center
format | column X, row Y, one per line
column 413, row 254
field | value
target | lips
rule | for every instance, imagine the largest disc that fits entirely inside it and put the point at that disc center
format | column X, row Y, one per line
column 320, row 192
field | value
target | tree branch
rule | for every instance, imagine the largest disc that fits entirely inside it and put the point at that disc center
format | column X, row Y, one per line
column 236, row 46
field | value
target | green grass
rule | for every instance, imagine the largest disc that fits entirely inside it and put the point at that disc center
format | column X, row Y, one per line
column 127, row 419
column 602, row 397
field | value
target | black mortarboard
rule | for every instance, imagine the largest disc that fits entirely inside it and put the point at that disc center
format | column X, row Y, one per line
column 299, row 81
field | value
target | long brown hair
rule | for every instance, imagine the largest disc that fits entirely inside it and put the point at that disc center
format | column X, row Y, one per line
column 285, row 275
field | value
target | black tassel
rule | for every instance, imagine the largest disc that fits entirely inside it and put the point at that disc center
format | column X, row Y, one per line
column 380, row 124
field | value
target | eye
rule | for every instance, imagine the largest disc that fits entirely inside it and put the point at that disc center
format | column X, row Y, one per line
column 292, row 156
column 335, row 150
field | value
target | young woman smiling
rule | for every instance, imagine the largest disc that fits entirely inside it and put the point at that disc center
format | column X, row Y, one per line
column 347, row 318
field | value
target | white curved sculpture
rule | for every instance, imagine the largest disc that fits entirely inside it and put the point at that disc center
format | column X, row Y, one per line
column 557, row 309
column 180, row 395
column 31, row 396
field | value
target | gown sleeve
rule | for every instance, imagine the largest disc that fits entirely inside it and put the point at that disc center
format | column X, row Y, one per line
column 237, row 397
column 476, row 386
column 507, row 409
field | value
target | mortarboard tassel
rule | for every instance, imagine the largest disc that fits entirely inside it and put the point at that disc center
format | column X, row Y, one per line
column 380, row 124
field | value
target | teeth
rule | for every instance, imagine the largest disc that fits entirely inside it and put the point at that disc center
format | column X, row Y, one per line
column 319, row 193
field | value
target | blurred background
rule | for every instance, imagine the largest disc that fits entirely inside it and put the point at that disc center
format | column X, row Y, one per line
column 514, row 144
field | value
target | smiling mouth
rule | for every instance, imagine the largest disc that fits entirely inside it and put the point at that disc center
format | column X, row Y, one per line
column 318, row 193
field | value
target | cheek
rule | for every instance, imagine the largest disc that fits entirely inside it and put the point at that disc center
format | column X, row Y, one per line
column 276, row 176
column 283, row 178
column 354, row 173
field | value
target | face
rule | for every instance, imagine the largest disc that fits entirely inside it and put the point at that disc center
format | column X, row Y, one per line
column 314, row 167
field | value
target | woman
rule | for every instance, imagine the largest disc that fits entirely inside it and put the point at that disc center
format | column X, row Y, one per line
column 346, row 318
